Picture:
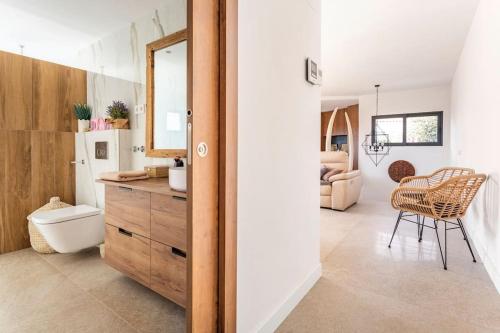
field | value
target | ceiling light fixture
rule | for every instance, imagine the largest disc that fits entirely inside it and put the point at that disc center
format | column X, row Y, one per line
column 377, row 143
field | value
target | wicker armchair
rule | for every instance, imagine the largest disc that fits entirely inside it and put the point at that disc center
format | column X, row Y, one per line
column 442, row 202
column 436, row 178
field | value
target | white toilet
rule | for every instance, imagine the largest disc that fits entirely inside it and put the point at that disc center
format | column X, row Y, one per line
column 71, row 229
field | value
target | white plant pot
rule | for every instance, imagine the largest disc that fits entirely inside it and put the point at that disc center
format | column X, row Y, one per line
column 83, row 125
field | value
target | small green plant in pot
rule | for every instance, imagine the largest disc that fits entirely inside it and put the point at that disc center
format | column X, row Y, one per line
column 83, row 113
column 118, row 114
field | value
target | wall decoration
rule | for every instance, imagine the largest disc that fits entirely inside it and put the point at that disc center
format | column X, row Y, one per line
column 401, row 169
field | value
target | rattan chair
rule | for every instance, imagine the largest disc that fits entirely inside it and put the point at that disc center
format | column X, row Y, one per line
column 445, row 201
column 437, row 177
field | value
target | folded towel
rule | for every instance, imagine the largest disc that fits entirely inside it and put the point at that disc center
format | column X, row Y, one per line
column 124, row 176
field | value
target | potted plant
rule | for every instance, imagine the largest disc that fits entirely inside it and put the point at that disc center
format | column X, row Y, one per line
column 118, row 114
column 83, row 113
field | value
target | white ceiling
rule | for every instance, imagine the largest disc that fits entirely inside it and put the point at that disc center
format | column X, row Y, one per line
column 398, row 43
column 64, row 25
column 338, row 102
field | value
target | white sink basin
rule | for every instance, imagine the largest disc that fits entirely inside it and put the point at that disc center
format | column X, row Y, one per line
column 177, row 179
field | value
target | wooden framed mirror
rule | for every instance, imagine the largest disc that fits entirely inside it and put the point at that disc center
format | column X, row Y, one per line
column 166, row 86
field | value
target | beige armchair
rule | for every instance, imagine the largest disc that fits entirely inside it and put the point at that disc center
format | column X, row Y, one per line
column 342, row 190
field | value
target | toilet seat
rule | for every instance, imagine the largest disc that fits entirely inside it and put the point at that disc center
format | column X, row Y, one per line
column 64, row 214
column 70, row 229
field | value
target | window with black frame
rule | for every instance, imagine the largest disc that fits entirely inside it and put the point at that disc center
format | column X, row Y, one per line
column 411, row 129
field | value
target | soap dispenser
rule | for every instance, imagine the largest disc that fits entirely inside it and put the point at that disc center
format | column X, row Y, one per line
column 178, row 162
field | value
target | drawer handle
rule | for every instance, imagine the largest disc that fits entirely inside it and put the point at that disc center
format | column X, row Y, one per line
column 178, row 252
column 126, row 189
column 179, row 198
column 124, row 232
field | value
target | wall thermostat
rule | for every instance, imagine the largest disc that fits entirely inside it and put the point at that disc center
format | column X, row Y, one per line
column 314, row 73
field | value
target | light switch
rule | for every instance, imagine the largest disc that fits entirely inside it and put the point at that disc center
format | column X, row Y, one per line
column 140, row 108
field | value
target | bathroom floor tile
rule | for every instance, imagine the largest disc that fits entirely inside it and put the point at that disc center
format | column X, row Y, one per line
column 145, row 309
column 78, row 293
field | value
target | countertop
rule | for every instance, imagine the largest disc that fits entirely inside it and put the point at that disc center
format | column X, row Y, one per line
column 153, row 185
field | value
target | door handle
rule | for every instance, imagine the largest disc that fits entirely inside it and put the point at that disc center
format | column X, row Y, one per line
column 177, row 252
column 82, row 162
column 124, row 232
column 189, row 143
column 125, row 189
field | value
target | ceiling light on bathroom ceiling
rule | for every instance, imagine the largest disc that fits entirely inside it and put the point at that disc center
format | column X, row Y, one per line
column 376, row 143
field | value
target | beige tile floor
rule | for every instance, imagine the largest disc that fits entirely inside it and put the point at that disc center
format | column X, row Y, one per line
column 78, row 293
column 367, row 287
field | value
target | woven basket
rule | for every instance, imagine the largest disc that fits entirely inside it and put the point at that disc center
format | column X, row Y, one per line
column 118, row 123
column 38, row 243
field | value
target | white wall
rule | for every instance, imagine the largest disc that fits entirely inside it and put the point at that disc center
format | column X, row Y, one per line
column 278, row 214
column 120, row 60
column 377, row 183
column 475, row 125
column 122, row 54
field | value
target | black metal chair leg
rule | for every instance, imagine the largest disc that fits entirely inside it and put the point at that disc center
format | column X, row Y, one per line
column 466, row 238
column 445, row 245
column 396, row 227
column 421, row 229
column 439, row 243
column 418, row 226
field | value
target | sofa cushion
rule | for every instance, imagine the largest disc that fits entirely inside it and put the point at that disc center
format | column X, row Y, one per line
column 331, row 173
column 345, row 176
column 334, row 159
column 325, row 189
column 323, row 169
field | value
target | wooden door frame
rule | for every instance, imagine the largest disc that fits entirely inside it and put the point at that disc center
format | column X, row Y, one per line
column 228, row 164
column 212, row 97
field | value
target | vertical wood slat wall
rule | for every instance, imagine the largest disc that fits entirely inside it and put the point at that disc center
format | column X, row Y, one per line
column 340, row 127
column 37, row 128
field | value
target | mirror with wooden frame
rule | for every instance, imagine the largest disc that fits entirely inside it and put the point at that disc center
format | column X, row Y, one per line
column 166, row 85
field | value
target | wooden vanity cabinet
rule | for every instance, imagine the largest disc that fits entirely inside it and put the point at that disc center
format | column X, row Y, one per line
column 129, row 253
column 146, row 235
column 128, row 209
column 168, row 272
column 168, row 220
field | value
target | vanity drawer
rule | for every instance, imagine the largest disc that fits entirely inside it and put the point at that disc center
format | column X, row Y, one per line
column 168, row 272
column 129, row 253
column 128, row 209
column 168, row 220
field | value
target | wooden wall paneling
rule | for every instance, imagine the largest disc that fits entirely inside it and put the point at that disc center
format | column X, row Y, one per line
column 15, row 92
column 37, row 140
column 3, row 191
column 52, row 173
column 16, row 188
column 325, row 118
column 64, row 176
column 56, row 89
column 340, row 127
column 43, row 159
